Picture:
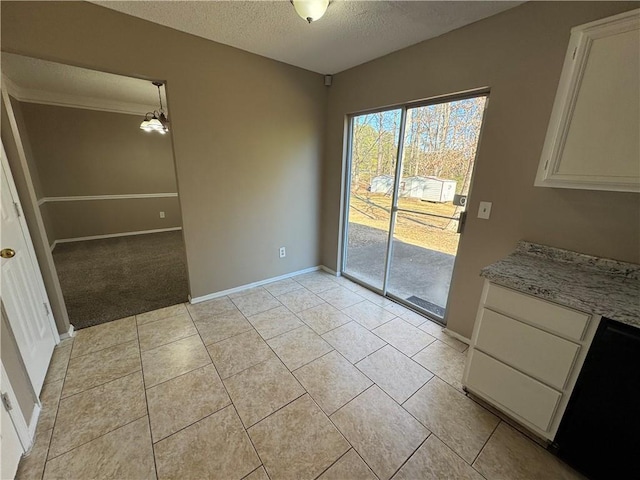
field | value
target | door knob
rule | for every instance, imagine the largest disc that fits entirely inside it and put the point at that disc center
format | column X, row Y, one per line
column 7, row 253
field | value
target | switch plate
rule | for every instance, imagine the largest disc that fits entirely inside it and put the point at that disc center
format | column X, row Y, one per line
column 161, row 214
column 283, row 252
column 484, row 211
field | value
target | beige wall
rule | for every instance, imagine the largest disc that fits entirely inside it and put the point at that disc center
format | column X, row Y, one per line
column 79, row 152
column 247, row 134
column 103, row 217
column 89, row 152
column 519, row 55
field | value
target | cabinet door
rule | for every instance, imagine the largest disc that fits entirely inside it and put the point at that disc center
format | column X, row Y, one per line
column 593, row 139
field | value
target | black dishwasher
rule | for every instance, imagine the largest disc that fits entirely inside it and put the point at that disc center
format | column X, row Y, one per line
column 599, row 432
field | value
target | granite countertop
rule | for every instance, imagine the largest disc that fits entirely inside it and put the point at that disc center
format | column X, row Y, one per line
column 590, row 284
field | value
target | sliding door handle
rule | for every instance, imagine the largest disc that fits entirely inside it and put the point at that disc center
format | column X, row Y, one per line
column 461, row 221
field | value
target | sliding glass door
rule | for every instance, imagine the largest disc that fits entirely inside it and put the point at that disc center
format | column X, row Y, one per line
column 403, row 219
column 374, row 145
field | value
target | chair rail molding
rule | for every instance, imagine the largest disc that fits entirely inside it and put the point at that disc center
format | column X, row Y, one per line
column 126, row 196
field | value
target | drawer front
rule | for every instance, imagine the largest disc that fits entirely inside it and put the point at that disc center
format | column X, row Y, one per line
column 518, row 393
column 537, row 353
column 554, row 318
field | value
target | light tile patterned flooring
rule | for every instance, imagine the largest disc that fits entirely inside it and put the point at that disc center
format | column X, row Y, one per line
column 309, row 377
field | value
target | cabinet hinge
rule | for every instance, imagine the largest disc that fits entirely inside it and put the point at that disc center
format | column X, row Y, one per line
column 6, row 402
column 575, row 50
column 46, row 308
column 546, row 164
column 17, row 207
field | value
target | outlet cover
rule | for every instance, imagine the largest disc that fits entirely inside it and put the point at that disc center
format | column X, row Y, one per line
column 283, row 252
column 161, row 214
column 484, row 211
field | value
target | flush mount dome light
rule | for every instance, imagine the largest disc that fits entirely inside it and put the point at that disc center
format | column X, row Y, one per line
column 156, row 121
column 310, row 10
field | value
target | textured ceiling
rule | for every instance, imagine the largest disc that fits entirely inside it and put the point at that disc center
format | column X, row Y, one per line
column 350, row 33
column 63, row 84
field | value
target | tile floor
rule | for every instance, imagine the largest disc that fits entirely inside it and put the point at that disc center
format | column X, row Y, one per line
column 309, row 377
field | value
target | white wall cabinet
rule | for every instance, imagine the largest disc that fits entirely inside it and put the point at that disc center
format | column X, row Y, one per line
column 593, row 138
column 525, row 356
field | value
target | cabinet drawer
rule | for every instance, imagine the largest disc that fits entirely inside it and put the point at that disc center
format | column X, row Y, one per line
column 548, row 316
column 537, row 353
column 515, row 391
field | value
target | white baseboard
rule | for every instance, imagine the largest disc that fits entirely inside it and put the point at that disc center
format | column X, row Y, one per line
column 113, row 235
column 332, row 272
column 33, row 423
column 70, row 333
column 223, row 293
column 457, row 336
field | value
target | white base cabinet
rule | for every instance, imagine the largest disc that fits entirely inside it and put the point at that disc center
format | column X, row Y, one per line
column 525, row 356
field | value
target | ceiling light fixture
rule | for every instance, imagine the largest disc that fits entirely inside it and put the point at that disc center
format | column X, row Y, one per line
column 156, row 121
column 310, row 10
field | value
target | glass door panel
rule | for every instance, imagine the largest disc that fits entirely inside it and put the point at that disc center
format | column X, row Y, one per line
column 421, row 262
column 373, row 152
column 438, row 155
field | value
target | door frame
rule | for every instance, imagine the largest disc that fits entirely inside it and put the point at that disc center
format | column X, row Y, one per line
column 347, row 162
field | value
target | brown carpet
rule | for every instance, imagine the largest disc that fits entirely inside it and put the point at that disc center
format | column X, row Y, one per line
column 112, row 278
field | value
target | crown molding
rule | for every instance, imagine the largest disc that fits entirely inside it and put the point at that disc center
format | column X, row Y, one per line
column 42, row 97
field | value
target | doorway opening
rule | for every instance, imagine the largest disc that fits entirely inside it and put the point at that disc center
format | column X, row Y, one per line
column 105, row 185
column 409, row 170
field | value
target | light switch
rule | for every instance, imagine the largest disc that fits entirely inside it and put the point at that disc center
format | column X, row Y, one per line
column 485, row 210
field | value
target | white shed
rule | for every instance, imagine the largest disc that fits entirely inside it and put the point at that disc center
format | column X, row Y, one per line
column 439, row 190
column 413, row 187
column 382, row 184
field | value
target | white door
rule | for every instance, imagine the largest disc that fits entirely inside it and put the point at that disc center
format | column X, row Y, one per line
column 11, row 448
column 23, row 295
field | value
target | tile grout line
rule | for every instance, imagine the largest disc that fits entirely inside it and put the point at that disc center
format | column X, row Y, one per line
column 151, row 322
column 253, row 445
column 100, row 349
column 146, row 401
column 413, row 453
column 179, row 375
column 70, row 396
column 96, row 438
column 338, row 459
column 485, row 443
column 457, row 454
column 433, row 375
column 246, row 429
column 55, row 417
column 279, row 408
column 317, row 358
column 338, row 428
column 246, row 432
column 255, row 470
column 102, row 384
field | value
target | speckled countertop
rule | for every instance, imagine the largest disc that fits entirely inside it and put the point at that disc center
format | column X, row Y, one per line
column 594, row 285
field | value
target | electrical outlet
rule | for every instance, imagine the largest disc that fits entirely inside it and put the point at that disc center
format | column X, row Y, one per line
column 161, row 214
column 484, row 211
column 283, row 252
